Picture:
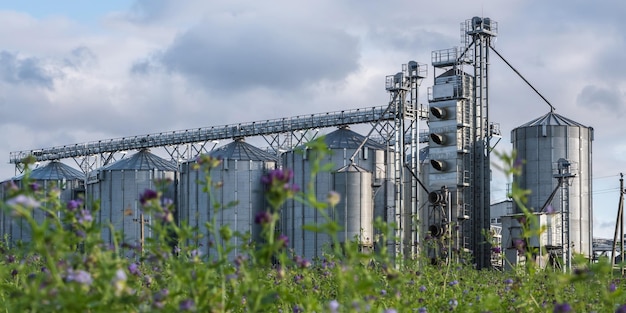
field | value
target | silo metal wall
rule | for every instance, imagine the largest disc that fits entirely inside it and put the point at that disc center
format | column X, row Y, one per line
column 296, row 214
column 17, row 228
column 541, row 147
column 355, row 211
column 241, row 183
column 118, row 192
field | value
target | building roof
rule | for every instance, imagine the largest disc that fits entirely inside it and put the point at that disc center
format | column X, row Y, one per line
column 552, row 119
column 346, row 138
column 144, row 161
column 54, row 170
column 241, row 150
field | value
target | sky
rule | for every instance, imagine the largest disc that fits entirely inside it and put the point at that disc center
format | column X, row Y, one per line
column 76, row 71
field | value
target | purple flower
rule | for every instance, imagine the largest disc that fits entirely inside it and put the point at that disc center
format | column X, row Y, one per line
column 277, row 175
column 187, row 305
column 453, row 304
column 390, row 310
column 508, row 281
column 195, row 253
column 612, row 287
column 621, row 309
column 84, row 217
column 284, row 239
column 147, row 195
column 518, row 163
column 73, row 205
column 24, row 201
column 296, row 309
column 133, row 269
column 550, row 209
column 333, row 305
column 454, row 282
column 562, row 308
column 520, row 245
column 262, row 218
column 422, row 288
column 496, row 249
column 34, row 186
column 79, row 276
column 422, row 310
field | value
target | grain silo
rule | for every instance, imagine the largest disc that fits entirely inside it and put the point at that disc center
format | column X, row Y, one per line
column 69, row 182
column 556, row 148
column 116, row 188
column 239, row 175
column 355, row 211
column 342, row 144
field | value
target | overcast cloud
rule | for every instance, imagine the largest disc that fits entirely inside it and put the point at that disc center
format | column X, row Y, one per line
column 71, row 75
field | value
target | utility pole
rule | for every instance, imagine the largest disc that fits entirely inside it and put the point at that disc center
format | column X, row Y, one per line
column 619, row 224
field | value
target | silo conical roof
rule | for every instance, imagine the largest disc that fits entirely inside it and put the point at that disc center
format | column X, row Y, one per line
column 241, row 150
column 552, row 119
column 143, row 160
column 346, row 138
column 54, row 170
column 352, row 168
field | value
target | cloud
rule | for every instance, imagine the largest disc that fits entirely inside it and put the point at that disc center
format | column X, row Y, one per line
column 611, row 100
column 249, row 53
column 25, row 70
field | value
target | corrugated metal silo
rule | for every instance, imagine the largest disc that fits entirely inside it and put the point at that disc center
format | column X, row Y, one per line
column 55, row 174
column 355, row 211
column 342, row 144
column 240, row 173
column 117, row 189
column 542, row 143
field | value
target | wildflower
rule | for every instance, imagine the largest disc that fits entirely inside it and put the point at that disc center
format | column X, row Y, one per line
column 453, row 283
column 297, row 309
column 10, row 258
column 133, row 269
column 302, row 262
column 262, row 218
column 119, row 282
column 195, row 253
column 612, row 287
column 517, row 164
column 79, row 276
column 562, row 308
column 333, row 305
column 390, row 310
column 383, row 292
column 333, row 198
column 186, row 305
column 284, row 239
column 159, row 298
column 85, row 217
column 496, row 249
column 73, row 205
column 520, row 245
column 23, row 201
column 34, row 186
column 422, row 310
column 14, row 272
column 278, row 187
column 621, row 309
column 550, row 209
column 453, row 304
column 147, row 195
column 508, row 281
column 208, row 161
column 422, row 288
